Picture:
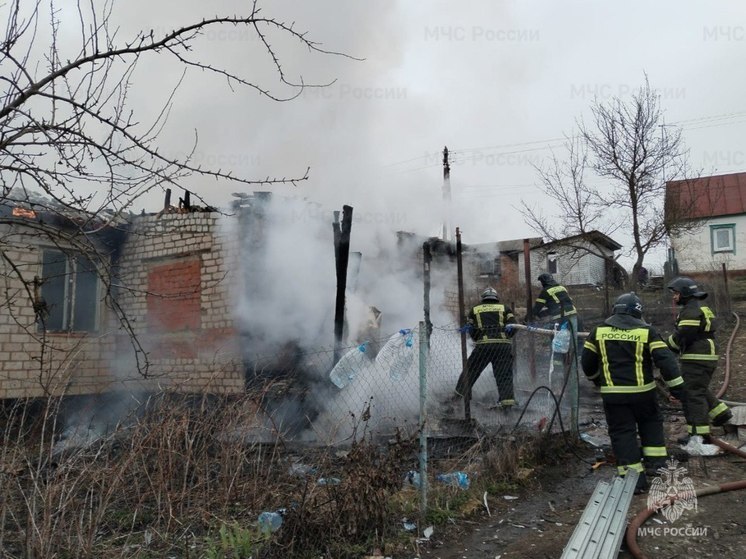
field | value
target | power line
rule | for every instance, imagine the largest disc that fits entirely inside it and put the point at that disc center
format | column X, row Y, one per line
column 686, row 124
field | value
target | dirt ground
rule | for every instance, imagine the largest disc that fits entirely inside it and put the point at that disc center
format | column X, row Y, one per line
column 539, row 523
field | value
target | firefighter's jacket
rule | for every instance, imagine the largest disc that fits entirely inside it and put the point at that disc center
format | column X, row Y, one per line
column 619, row 356
column 553, row 303
column 487, row 323
column 694, row 338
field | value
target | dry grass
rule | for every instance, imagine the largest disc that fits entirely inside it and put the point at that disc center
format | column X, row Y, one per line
column 176, row 478
column 169, row 480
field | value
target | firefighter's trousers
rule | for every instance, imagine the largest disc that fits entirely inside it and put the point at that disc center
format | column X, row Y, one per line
column 497, row 354
column 630, row 415
column 701, row 405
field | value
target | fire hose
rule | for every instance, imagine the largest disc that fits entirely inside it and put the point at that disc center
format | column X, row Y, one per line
column 726, row 380
column 647, row 512
column 642, row 516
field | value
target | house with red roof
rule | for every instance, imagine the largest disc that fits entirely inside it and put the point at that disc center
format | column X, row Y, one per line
column 707, row 222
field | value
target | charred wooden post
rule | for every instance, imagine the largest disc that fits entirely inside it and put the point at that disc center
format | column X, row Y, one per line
column 342, row 257
column 427, row 259
column 462, row 318
column 461, row 310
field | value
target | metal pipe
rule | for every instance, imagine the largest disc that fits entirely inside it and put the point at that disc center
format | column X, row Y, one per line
column 424, row 344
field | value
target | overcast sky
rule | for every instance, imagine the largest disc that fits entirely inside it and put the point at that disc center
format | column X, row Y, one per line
column 499, row 83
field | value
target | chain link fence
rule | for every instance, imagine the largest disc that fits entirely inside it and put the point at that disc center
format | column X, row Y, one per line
column 402, row 383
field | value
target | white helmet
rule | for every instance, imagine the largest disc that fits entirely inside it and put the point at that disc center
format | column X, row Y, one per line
column 489, row 294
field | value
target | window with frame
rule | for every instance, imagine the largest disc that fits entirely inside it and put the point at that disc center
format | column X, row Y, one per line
column 489, row 266
column 723, row 238
column 69, row 290
column 552, row 261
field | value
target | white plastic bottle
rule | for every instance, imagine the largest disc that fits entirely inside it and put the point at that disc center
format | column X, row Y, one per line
column 561, row 341
column 269, row 522
column 398, row 354
column 348, row 366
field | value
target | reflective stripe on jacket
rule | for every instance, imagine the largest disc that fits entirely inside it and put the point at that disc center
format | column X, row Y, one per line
column 694, row 338
column 554, row 302
column 488, row 322
column 619, row 356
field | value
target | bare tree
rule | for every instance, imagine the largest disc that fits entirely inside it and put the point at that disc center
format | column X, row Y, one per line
column 627, row 143
column 575, row 205
column 631, row 147
column 65, row 123
column 74, row 154
column 577, row 210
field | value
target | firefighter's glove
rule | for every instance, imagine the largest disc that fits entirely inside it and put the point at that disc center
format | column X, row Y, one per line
column 466, row 328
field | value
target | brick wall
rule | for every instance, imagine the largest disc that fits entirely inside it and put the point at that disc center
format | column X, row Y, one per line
column 177, row 274
column 33, row 363
column 174, row 287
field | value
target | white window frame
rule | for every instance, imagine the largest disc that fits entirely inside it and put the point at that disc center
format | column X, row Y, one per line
column 716, row 232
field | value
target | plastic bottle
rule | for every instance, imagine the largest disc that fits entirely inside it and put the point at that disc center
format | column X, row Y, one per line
column 329, row 481
column 561, row 341
column 348, row 366
column 398, row 354
column 413, row 478
column 301, row 470
column 269, row 522
column 456, row 479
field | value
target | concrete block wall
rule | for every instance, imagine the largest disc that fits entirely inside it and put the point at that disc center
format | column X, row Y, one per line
column 177, row 274
column 32, row 363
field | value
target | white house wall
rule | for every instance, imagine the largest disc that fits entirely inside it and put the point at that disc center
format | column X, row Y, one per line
column 572, row 270
column 694, row 250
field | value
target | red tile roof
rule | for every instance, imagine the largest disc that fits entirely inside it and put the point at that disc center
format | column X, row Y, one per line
column 706, row 197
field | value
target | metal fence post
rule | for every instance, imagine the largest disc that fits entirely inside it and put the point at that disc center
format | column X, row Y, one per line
column 424, row 345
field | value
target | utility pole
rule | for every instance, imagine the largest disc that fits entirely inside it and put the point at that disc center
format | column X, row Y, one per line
column 663, row 148
column 446, row 194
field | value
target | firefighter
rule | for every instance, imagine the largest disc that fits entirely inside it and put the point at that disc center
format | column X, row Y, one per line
column 554, row 303
column 488, row 324
column 694, row 341
column 618, row 356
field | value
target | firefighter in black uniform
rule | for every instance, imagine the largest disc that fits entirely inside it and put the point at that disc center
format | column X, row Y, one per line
column 554, row 304
column 487, row 323
column 694, row 341
column 618, row 356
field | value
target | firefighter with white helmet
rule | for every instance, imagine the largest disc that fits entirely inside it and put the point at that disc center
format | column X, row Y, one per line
column 488, row 325
column 694, row 341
